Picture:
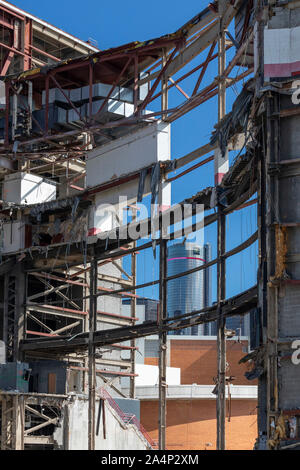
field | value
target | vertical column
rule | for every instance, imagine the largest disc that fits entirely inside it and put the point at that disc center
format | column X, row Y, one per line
column 133, row 316
column 221, row 154
column 14, row 312
column 221, row 397
column 12, row 422
column 66, row 429
column 7, row 113
column 91, row 79
column 21, row 313
column 91, row 352
column 262, row 295
column 27, row 41
column 163, row 298
column 163, row 345
column 221, row 167
column 271, row 338
column 164, row 87
column 136, row 86
column 19, row 418
column 47, row 85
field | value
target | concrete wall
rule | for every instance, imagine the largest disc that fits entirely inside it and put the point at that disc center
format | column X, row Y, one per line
column 118, row 436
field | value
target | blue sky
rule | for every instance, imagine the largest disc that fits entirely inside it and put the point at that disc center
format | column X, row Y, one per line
column 118, row 22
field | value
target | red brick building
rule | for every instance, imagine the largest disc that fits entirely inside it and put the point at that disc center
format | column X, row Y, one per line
column 191, row 406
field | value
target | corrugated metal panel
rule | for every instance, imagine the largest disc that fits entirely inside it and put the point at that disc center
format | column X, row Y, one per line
column 151, row 348
column 289, row 385
column 289, row 318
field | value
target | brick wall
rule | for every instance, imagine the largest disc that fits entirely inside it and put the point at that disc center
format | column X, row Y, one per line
column 151, row 361
column 197, row 360
column 191, row 425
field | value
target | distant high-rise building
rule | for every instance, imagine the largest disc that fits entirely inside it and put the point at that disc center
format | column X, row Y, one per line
column 151, row 307
column 241, row 325
column 189, row 293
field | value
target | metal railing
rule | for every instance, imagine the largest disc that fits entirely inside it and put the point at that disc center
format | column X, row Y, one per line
column 127, row 418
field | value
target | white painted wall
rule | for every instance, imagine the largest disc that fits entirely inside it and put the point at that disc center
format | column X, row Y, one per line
column 129, row 154
column 197, row 392
column 13, row 237
column 281, row 50
column 149, row 375
column 122, row 157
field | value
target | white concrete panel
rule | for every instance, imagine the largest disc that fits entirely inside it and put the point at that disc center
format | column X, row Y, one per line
column 197, row 392
column 13, row 237
column 27, row 189
column 277, row 46
column 129, row 154
column 281, row 52
column 100, row 90
column 149, row 375
column 55, row 95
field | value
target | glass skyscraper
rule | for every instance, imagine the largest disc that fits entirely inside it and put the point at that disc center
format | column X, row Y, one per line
column 193, row 292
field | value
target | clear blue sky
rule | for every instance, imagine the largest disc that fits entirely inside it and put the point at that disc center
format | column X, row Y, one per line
column 117, row 22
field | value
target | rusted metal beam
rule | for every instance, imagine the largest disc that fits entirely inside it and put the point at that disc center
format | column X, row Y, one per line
column 163, row 73
column 91, row 354
column 204, row 68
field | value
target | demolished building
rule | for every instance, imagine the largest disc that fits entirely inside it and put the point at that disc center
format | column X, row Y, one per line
column 78, row 132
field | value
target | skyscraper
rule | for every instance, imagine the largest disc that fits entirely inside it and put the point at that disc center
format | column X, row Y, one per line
column 189, row 293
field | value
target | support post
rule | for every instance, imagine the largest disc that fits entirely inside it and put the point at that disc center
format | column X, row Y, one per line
column 221, row 158
column 221, row 163
column 47, row 85
column 133, row 316
column 164, row 87
column 136, row 86
column 163, row 347
column 221, row 397
column 7, row 113
column 27, row 42
column 92, row 359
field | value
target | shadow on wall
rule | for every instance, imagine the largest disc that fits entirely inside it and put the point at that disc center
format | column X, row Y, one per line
column 198, row 362
column 192, row 424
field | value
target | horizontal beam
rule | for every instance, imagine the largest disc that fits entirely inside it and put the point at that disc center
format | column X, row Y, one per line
column 38, row 440
column 230, row 253
column 106, row 372
column 58, row 311
column 238, row 305
column 115, row 315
